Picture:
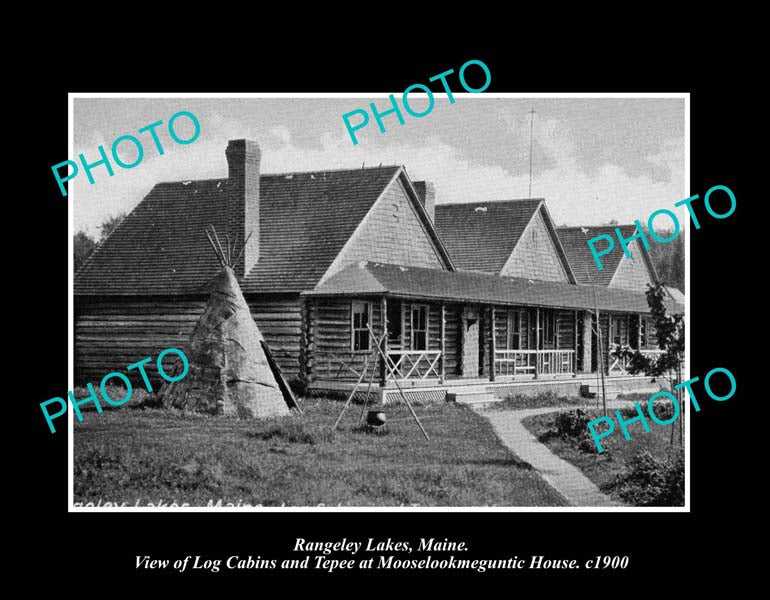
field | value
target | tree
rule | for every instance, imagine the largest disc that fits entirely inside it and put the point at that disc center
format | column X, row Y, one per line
column 108, row 226
column 668, row 259
column 670, row 333
column 84, row 245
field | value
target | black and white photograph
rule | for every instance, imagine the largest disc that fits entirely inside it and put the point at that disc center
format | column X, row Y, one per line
column 383, row 317
column 332, row 302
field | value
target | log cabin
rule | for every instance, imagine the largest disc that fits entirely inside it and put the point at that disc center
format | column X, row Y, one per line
column 348, row 279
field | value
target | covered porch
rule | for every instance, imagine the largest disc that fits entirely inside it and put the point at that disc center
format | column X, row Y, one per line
column 440, row 329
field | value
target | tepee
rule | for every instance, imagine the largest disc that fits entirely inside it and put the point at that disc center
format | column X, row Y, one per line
column 229, row 371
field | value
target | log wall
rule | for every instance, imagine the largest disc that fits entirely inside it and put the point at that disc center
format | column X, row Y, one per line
column 112, row 333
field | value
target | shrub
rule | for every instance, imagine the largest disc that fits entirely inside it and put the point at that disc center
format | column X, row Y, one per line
column 571, row 426
column 649, row 481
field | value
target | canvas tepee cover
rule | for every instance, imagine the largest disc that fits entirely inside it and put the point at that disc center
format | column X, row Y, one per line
column 229, row 372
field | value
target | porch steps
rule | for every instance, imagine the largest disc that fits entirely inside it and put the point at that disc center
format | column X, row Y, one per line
column 613, row 389
column 477, row 399
column 592, row 390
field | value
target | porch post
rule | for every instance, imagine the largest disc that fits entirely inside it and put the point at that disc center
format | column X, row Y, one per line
column 628, row 329
column 575, row 345
column 638, row 332
column 442, row 347
column 537, row 341
column 384, row 319
column 492, row 345
column 587, row 340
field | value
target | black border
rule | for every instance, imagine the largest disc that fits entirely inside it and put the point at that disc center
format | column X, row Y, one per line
column 676, row 544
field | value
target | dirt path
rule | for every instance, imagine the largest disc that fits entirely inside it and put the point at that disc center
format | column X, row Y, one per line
column 564, row 477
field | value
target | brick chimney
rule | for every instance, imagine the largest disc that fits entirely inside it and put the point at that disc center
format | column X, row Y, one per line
column 243, row 157
column 427, row 193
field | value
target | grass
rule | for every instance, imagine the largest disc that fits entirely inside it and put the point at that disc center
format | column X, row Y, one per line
column 544, row 400
column 142, row 455
column 618, row 460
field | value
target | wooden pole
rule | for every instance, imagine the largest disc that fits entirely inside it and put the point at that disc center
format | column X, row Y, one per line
column 368, row 388
column 400, row 391
column 237, row 258
column 601, row 360
column 492, row 345
column 575, row 344
column 638, row 332
column 352, row 393
column 221, row 251
column 442, row 329
column 366, row 400
column 216, row 252
column 384, row 339
column 537, row 341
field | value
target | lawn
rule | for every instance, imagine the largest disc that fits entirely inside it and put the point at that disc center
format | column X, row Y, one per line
column 544, row 400
column 142, row 455
column 629, row 471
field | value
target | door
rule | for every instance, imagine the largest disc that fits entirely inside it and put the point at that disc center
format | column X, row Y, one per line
column 470, row 342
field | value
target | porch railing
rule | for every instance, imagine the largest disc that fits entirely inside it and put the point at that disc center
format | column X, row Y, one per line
column 534, row 362
column 619, row 364
column 413, row 364
column 403, row 364
column 332, row 366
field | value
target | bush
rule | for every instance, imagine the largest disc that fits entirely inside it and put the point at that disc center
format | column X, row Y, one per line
column 571, row 426
column 651, row 482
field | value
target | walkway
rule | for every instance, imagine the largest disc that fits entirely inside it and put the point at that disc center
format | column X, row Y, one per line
column 566, row 478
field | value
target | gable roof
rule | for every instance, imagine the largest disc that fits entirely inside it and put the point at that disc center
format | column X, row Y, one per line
column 376, row 279
column 481, row 236
column 305, row 220
column 575, row 243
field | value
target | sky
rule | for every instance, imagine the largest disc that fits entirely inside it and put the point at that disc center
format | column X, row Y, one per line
column 593, row 159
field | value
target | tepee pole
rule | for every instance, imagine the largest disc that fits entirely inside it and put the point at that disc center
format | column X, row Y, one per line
column 352, row 392
column 369, row 386
column 400, row 391
column 214, row 248
column 237, row 258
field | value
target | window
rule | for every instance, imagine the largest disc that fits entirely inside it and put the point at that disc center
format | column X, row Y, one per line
column 394, row 324
column 419, row 327
column 618, row 330
column 549, row 326
column 514, row 330
column 361, row 316
column 643, row 332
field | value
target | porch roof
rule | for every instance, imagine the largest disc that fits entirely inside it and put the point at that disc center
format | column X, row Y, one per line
column 369, row 278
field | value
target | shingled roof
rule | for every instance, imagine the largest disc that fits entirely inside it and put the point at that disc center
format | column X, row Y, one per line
column 574, row 240
column 305, row 220
column 377, row 279
column 480, row 236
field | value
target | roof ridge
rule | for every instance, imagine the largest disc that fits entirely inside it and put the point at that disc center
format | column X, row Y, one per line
column 212, row 179
column 489, row 202
column 595, row 226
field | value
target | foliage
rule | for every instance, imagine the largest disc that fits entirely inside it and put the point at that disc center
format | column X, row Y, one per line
column 668, row 259
column 109, row 225
column 84, row 245
column 651, row 481
column 619, row 470
column 670, row 333
column 547, row 399
column 571, row 426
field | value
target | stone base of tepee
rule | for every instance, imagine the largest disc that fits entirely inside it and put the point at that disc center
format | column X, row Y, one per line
column 228, row 371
